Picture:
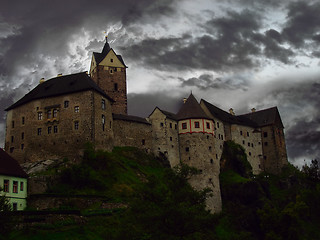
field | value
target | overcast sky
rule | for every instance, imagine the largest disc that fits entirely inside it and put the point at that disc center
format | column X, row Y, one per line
column 240, row 54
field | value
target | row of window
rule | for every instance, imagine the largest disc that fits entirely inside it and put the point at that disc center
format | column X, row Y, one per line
column 196, row 125
column 6, row 186
column 171, row 125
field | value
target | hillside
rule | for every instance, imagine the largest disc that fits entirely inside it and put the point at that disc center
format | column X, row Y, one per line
column 151, row 201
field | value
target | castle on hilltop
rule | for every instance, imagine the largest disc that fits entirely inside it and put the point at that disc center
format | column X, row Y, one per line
column 57, row 118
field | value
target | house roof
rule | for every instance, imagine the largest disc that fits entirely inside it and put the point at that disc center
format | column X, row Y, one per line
column 130, row 118
column 57, row 86
column 191, row 109
column 106, row 49
column 264, row 117
column 254, row 119
column 9, row 166
column 166, row 113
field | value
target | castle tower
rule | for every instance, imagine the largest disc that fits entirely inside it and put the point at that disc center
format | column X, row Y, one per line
column 197, row 149
column 108, row 70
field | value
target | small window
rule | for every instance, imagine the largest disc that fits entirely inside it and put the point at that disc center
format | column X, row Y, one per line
column 208, row 125
column 265, row 134
column 55, row 129
column 221, row 137
column 21, row 186
column 249, row 153
column 210, row 148
column 49, row 114
column 171, row 139
column 175, row 126
column 184, row 125
column 217, row 124
column 116, row 86
column 103, row 119
column 11, row 149
column 49, row 130
column 243, row 142
column 66, row 104
column 12, row 138
column 6, row 185
column 187, row 149
column 251, row 144
column 39, row 131
column 170, row 125
column 216, row 156
column 161, row 124
column 55, row 113
column 266, row 143
column 76, row 109
column 76, row 125
column 248, row 144
column 15, row 187
column 22, row 120
column 115, row 69
column 22, row 146
column 22, row 135
column 39, row 115
column 211, row 161
column 143, row 142
column 241, row 133
column 247, row 134
column 103, row 104
column 196, row 124
column 111, row 60
column 12, row 124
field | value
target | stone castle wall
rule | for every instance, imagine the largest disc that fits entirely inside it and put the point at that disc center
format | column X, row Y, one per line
column 135, row 134
column 54, row 127
column 165, row 137
column 197, row 150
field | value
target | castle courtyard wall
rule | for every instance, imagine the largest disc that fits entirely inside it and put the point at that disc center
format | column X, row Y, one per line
column 134, row 134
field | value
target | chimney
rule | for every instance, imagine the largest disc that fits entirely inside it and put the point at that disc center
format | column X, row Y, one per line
column 253, row 110
column 59, row 75
column 42, row 80
column 184, row 100
column 231, row 111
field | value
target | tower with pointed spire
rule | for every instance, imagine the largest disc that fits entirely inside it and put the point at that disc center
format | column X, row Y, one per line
column 108, row 70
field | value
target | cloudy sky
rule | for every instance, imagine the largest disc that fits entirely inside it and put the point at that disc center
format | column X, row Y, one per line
column 239, row 54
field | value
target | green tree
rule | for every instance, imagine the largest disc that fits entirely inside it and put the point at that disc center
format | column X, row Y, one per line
column 5, row 219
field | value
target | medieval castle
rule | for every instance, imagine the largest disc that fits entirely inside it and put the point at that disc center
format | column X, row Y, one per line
column 60, row 115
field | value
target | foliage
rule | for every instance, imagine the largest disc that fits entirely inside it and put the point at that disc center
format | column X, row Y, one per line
column 5, row 218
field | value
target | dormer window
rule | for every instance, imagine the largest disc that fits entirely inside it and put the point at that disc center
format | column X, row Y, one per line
column 111, row 60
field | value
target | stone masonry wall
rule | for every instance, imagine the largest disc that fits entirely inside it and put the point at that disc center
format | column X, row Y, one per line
column 165, row 137
column 250, row 140
column 197, row 150
column 134, row 134
column 33, row 135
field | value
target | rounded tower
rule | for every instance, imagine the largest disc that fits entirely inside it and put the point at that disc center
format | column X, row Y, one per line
column 196, row 137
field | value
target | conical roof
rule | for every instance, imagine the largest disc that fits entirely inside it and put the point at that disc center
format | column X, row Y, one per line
column 191, row 109
column 106, row 47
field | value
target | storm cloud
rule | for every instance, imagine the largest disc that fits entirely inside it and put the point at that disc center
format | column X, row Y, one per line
column 238, row 54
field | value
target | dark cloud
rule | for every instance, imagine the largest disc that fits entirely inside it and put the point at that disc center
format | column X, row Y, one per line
column 303, row 23
column 143, row 104
column 206, row 81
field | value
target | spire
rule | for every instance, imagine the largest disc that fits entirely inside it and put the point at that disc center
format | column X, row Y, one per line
column 191, row 109
column 106, row 47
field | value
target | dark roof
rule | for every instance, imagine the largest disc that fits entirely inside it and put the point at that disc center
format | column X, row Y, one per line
column 264, row 117
column 130, row 118
column 9, row 166
column 106, row 49
column 166, row 113
column 67, row 84
column 254, row 119
column 191, row 109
